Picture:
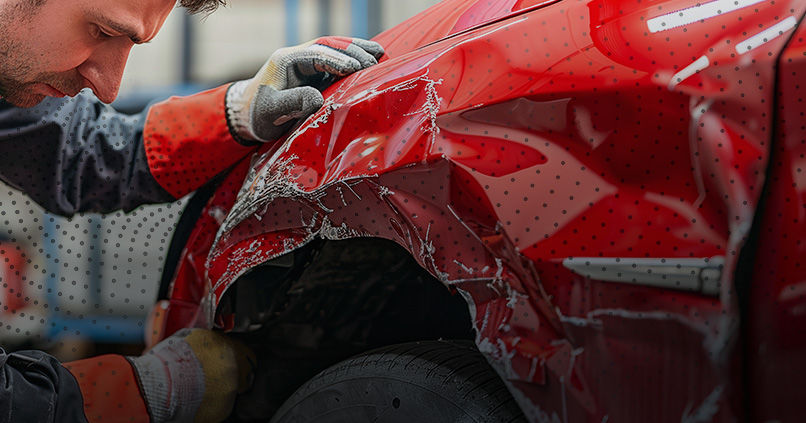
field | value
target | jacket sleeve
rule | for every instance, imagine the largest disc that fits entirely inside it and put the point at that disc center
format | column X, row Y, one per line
column 79, row 155
column 34, row 387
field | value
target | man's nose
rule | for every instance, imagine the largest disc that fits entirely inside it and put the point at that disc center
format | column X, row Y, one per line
column 104, row 68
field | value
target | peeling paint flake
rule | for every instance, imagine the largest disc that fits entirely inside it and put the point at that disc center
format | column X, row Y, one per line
column 430, row 109
column 467, row 269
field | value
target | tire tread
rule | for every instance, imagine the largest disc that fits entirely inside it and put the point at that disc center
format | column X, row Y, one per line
column 454, row 370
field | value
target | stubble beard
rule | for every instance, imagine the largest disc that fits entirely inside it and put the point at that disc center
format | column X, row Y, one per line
column 12, row 89
column 12, row 67
column 16, row 76
column 22, row 94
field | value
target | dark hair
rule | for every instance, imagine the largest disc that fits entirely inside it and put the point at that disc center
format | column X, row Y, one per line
column 201, row 6
column 193, row 6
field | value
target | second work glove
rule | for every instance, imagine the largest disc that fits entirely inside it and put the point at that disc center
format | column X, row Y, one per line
column 286, row 88
column 193, row 376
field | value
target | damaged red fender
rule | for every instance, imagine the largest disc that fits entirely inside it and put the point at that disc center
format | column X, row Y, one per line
column 584, row 173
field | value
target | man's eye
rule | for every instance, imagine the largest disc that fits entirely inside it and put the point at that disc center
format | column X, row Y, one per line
column 99, row 32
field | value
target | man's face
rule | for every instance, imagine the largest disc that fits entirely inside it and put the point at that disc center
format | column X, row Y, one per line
column 58, row 47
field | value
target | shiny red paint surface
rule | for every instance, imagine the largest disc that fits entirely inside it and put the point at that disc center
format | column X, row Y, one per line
column 449, row 18
column 597, row 129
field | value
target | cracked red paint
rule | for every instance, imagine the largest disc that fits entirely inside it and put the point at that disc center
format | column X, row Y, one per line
column 499, row 138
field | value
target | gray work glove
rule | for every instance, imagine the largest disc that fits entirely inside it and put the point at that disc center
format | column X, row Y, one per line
column 287, row 88
column 193, row 376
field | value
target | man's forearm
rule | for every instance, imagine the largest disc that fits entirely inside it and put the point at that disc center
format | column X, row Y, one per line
column 80, row 155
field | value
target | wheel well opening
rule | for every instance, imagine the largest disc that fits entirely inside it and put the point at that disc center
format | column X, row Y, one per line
column 330, row 300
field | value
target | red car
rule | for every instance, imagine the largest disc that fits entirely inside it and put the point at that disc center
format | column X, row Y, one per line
column 612, row 192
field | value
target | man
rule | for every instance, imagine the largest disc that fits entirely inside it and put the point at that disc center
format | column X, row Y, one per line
column 77, row 154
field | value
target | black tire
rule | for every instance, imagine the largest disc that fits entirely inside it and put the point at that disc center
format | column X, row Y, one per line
column 424, row 382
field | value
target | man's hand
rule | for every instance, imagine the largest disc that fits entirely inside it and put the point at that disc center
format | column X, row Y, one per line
column 193, row 375
column 286, row 88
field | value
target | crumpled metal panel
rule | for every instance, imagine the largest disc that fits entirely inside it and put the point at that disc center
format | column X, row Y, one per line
column 777, row 306
column 190, row 286
column 603, row 129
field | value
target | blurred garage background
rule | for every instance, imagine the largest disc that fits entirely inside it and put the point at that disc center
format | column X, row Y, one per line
column 83, row 286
